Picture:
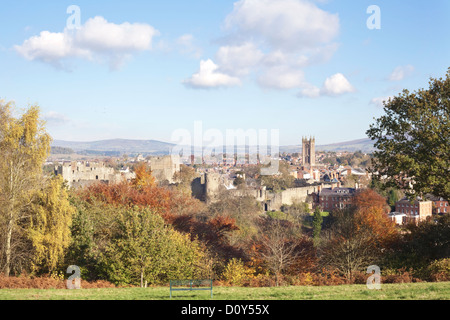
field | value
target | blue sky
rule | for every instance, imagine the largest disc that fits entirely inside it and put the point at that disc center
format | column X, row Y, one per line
column 143, row 69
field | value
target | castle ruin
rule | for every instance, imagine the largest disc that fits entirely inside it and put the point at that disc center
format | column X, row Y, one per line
column 84, row 173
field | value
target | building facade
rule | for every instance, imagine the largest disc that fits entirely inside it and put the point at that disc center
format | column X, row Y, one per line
column 331, row 199
column 415, row 211
column 440, row 205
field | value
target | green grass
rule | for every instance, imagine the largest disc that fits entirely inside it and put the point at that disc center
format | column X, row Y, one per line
column 409, row 291
column 322, row 213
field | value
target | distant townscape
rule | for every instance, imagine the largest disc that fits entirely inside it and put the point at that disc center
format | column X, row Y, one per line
column 327, row 180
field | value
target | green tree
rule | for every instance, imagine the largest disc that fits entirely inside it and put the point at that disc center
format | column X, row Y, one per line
column 49, row 229
column 413, row 141
column 317, row 223
column 24, row 146
column 422, row 244
column 145, row 250
column 93, row 226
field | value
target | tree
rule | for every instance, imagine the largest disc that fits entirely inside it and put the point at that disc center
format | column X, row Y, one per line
column 279, row 247
column 413, row 141
column 145, row 249
column 348, row 248
column 371, row 215
column 317, row 224
column 24, row 145
column 422, row 244
column 144, row 177
column 49, row 228
column 359, row 235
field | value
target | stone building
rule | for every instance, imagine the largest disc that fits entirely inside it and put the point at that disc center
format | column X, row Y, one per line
column 84, row 173
column 211, row 186
column 309, row 152
column 164, row 168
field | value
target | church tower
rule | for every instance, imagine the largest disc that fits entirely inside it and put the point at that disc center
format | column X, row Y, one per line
column 309, row 151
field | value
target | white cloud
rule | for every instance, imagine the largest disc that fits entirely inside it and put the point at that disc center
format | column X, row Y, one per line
column 276, row 41
column 209, row 77
column 309, row 91
column 336, row 85
column 96, row 40
column 289, row 25
column 50, row 48
column 238, row 60
column 100, row 35
column 401, row 72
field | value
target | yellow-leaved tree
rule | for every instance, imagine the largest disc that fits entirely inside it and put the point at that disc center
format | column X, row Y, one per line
column 24, row 147
column 49, row 228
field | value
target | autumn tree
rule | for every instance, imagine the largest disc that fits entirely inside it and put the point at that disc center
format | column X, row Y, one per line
column 24, row 145
column 144, row 177
column 359, row 235
column 348, row 248
column 372, row 214
column 49, row 225
column 412, row 141
column 279, row 246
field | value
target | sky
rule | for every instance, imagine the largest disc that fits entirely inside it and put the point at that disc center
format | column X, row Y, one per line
column 145, row 69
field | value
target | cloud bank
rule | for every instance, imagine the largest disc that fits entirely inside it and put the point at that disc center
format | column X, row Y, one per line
column 272, row 42
column 97, row 40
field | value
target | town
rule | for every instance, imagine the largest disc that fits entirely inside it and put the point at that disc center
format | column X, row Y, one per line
column 316, row 179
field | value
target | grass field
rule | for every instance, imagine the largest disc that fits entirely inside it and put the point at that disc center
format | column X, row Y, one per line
column 409, row 291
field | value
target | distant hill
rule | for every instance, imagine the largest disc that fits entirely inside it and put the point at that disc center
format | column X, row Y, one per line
column 365, row 145
column 117, row 146
column 153, row 147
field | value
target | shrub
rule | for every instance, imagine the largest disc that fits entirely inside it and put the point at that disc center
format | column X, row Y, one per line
column 439, row 270
column 46, row 282
column 397, row 276
column 236, row 273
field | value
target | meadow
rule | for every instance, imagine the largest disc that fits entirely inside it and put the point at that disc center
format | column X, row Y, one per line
column 403, row 291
